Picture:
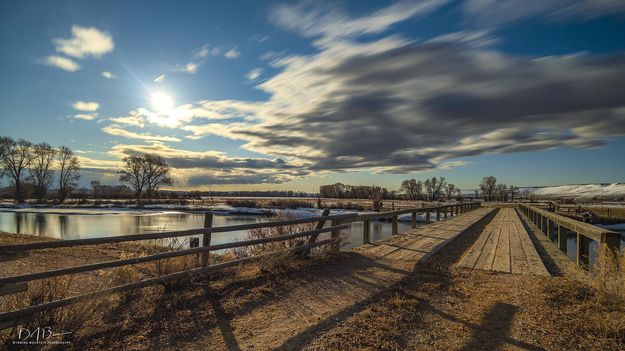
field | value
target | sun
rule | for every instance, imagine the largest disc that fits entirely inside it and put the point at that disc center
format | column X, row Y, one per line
column 162, row 102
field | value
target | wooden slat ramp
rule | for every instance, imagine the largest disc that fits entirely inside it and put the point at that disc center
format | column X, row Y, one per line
column 504, row 246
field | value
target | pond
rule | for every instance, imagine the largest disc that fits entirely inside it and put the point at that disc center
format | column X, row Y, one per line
column 91, row 224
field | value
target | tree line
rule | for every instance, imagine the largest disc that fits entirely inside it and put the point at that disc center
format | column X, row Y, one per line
column 36, row 166
column 33, row 169
column 430, row 189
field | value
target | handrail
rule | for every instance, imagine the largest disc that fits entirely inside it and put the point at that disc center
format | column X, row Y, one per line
column 586, row 229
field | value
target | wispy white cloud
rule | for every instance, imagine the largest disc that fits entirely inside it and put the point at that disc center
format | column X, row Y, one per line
column 86, row 116
column 62, row 63
column 190, row 68
column 312, row 19
column 85, row 42
column 254, row 74
column 136, row 118
column 160, row 78
column 119, row 131
column 108, row 75
column 86, row 106
column 232, row 53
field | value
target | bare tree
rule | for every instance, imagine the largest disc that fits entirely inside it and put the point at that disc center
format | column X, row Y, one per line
column 513, row 191
column 439, row 186
column 96, row 188
column 488, row 187
column 133, row 173
column 157, row 173
column 450, row 191
column 16, row 158
column 42, row 169
column 69, row 168
column 412, row 188
column 429, row 188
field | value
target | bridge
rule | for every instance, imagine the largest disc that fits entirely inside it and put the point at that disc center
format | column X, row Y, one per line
column 476, row 237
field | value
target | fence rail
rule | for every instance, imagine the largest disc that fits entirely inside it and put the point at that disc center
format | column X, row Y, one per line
column 557, row 227
column 19, row 283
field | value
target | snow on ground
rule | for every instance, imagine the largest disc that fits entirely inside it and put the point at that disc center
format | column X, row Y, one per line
column 582, row 190
column 619, row 227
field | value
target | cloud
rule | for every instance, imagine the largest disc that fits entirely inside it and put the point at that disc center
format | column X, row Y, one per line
column 160, row 78
column 108, row 75
column 399, row 105
column 86, row 116
column 499, row 12
column 62, row 63
column 85, row 42
column 135, row 119
column 86, row 106
column 190, row 68
column 232, row 53
column 254, row 74
column 311, row 19
column 201, row 168
column 118, row 131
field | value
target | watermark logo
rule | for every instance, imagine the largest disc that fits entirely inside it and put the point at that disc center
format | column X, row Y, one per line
column 40, row 336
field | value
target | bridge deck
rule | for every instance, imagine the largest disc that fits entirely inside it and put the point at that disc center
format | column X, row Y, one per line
column 420, row 243
column 504, row 246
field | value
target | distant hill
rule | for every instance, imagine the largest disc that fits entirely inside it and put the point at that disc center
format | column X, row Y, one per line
column 614, row 190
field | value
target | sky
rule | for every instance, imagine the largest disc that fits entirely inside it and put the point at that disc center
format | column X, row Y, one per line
column 290, row 95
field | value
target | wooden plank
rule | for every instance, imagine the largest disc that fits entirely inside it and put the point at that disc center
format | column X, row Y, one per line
column 501, row 262
column 536, row 265
column 488, row 256
column 7, row 289
column 518, row 260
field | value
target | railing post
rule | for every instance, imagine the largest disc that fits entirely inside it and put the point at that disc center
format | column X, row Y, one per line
column 395, row 226
column 320, row 224
column 582, row 250
column 445, row 210
column 366, row 232
column 610, row 243
column 427, row 217
column 413, row 222
column 206, row 238
column 562, row 238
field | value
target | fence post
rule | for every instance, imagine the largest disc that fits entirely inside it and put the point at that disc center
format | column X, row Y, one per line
column 562, row 238
column 582, row 250
column 445, row 210
column 438, row 214
column 413, row 222
column 427, row 217
column 366, row 232
column 336, row 232
column 206, row 238
column 610, row 243
column 395, row 226
column 320, row 224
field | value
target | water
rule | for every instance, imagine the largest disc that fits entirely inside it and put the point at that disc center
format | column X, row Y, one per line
column 82, row 226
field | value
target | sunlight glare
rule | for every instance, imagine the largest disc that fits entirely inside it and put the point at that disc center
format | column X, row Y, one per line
column 162, row 102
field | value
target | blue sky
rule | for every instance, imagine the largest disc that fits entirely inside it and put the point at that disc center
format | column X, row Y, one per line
column 291, row 95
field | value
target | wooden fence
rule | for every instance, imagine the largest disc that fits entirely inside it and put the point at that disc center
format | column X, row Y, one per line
column 557, row 227
column 19, row 283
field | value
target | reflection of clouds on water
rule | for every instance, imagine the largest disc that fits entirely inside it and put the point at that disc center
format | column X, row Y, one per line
column 100, row 224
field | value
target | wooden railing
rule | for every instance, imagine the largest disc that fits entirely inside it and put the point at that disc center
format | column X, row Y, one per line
column 15, row 284
column 557, row 227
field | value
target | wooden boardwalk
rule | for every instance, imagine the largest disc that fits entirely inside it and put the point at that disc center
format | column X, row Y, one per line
column 418, row 244
column 504, row 246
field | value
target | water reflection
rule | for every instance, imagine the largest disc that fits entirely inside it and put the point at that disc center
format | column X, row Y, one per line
column 81, row 226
